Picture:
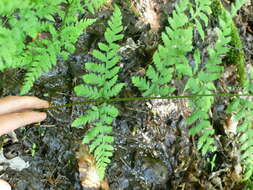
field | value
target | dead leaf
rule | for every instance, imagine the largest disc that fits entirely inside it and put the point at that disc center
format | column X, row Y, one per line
column 88, row 173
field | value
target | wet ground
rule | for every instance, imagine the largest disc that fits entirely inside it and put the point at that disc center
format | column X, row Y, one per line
column 153, row 150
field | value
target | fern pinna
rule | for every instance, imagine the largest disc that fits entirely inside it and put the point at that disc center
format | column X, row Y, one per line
column 101, row 83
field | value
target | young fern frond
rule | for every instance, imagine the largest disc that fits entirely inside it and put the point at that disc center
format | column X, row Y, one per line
column 101, row 83
column 177, row 42
column 98, row 137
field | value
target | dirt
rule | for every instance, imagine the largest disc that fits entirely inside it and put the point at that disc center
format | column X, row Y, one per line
column 152, row 150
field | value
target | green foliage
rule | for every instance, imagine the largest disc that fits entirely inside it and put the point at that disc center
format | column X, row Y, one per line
column 170, row 60
column 243, row 111
column 30, row 39
column 240, row 108
column 249, row 184
column 177, row 43
column 7, row 6
column 35, row 33
column 101, row 83
column 236, row 6
column 199, row 13
column 236, row 55
column 104, row 75
column 93, row 5
column 98, row 137
column 202, row 82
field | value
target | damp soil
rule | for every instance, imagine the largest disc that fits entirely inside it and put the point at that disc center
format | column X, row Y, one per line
column 153, row 150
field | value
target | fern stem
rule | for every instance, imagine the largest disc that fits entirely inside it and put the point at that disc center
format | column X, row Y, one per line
column 144, row 99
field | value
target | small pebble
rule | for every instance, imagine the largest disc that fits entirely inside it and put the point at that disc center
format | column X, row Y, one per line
column 4, row 185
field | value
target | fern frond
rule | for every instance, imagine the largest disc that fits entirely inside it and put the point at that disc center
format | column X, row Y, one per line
column 105, row 75
column 9, row 49
column 44, row 53
column 202, row 83
column 102, row 82
column 90, row 115
column 39, row 64
column 69, row 34
column 35, row 20
column 98, row 137
column 177, row 42
column 243, row 111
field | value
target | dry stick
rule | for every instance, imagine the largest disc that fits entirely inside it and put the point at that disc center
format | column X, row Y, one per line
column 143, row 99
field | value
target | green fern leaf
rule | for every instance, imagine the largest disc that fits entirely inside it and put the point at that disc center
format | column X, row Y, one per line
column 87, row 91
column 141, row 83
column 34, row 19
column 177, row 42
column 102, row 82
column 98, row 138
column 202, row 83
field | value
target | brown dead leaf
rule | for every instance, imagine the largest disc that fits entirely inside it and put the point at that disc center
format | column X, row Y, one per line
column 87, row 170
column 230, row 125
column 149, row 13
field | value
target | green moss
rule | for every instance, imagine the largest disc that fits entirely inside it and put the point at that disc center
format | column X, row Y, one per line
column 236, row 55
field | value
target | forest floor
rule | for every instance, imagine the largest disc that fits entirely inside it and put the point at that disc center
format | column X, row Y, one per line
column 153, row 149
